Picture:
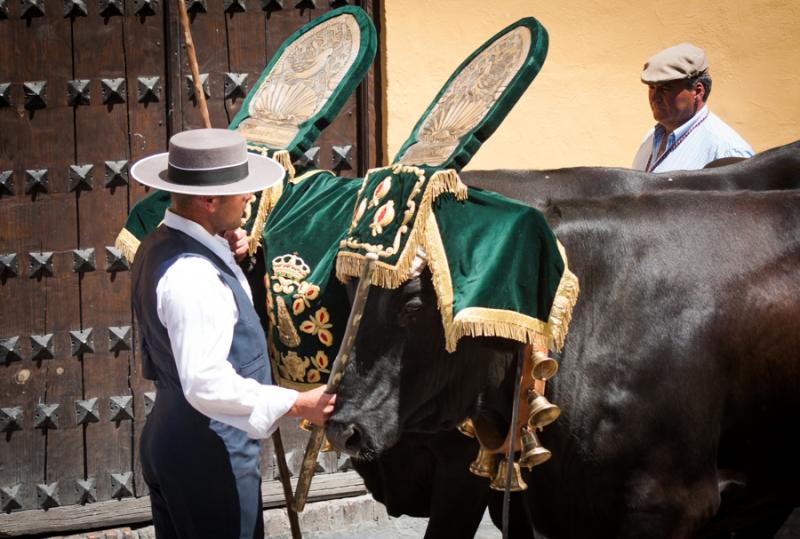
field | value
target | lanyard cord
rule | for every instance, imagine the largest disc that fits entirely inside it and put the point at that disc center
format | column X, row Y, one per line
column 664, row 155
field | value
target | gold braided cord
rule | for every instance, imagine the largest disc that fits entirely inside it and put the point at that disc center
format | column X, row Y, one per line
column 127, row 243
column 269, row 197
column 284, row 159
column 308, row 174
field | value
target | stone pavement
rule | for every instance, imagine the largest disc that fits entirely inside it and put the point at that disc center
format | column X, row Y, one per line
column 344, row 518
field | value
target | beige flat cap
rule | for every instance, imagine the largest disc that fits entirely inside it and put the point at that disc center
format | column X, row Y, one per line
column 682, row 61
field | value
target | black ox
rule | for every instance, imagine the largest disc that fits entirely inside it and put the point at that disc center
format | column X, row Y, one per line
column 677, row 381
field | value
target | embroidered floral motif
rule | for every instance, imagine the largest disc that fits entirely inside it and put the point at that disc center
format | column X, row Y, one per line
column 319, row 325
column 359, row 213
column 293, row 367
column 296, row 368
column 306, row 293
column 381, row 191
column 321, row 361
column 383, row 217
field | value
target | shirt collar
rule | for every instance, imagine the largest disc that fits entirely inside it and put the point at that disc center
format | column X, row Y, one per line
column 682, row 129
column 214, row 242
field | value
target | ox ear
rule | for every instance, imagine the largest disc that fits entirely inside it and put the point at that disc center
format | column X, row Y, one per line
column 552, row 212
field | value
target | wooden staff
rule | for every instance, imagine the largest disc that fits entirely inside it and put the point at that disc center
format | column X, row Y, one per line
column 200, row 95
column 334, row 379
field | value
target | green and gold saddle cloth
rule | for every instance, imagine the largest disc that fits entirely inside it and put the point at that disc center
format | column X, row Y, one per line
column 299, row 93
column 496, row 265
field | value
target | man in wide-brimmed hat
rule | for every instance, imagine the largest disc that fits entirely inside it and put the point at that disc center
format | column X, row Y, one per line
column 203, row 345
column 688, row 135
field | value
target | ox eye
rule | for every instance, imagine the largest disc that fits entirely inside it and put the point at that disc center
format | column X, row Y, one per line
column 410, row 310
column 413, row 306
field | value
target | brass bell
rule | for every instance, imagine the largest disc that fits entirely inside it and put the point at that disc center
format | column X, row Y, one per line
column 467, row 428
column 532, row 453
column 544, row 367
column 485, row 464
column 499, row 480
column 305, row 425
column 542, row 412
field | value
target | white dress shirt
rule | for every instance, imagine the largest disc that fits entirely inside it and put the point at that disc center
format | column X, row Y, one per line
column 707, row 138
column 199, row 311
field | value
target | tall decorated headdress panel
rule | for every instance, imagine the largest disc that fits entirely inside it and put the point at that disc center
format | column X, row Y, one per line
column 299, row 93
column 308, row 81
column 476, row 98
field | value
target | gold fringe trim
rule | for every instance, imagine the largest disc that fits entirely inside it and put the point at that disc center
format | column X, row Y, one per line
column 448, row 181
column 442, row 282
column 284, row 159
column 127, row 243
column 269, row 197
column 563, row 304
column 385, row 275
column 485, row 322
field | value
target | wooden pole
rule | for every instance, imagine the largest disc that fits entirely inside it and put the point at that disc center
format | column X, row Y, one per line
column 200, row 96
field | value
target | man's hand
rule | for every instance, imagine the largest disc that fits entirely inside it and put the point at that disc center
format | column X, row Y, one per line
column 237, row 240
column 314, row 405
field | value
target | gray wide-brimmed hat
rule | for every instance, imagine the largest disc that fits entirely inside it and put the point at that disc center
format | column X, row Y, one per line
column 208, row 162
column 683, row 61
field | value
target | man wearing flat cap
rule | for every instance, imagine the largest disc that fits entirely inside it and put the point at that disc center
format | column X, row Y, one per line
column 688, row 135
column 203, row 345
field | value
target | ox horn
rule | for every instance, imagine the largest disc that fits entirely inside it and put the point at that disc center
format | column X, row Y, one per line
column 533, row 453
column 544, row 367
column 499, row 481
column 485, row 464
column 542, row 411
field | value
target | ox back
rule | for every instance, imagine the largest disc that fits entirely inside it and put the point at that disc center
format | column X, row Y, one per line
column 680, row 379
column 777, row 168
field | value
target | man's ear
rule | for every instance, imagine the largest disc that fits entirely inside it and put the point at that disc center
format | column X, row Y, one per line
column 700, row 90
column 210, row 203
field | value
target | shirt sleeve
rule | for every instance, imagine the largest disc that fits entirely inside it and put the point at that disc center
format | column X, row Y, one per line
column 199, row 312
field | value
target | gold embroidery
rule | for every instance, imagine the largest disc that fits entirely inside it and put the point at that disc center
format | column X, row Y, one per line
column 293, row 366
column 381, row 190
column 318, row 325
column 306, row 293
column 301, row 81
column 286, row 332
column 468, row 99
column 383, row 217
column 348, row 264
column 295, row 369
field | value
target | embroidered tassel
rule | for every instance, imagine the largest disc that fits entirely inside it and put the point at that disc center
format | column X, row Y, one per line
column 284, row 159
column 127, row 243
column 563, row 304
column 447, row 181
column 269, row 197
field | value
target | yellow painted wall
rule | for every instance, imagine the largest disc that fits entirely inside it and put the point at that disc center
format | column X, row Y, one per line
column 587, row 105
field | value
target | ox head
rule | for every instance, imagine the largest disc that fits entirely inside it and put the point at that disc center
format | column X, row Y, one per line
column 401, row 379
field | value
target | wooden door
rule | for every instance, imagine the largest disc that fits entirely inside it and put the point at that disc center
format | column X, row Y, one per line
column 86, row 88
